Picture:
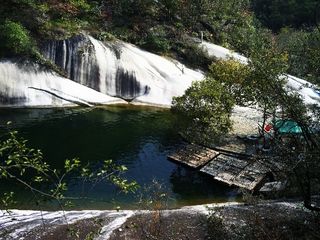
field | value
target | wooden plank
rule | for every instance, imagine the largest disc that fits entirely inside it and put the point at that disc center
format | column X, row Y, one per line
column 252, row 176
column 233, row 171
column 225, row 168
column 193, row 155
column 230, row 169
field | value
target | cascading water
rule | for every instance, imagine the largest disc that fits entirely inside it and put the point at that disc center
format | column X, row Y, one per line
column 77, row 57
column 121, row 70
column 102, row 73
column 28, row 85
column 114, row 69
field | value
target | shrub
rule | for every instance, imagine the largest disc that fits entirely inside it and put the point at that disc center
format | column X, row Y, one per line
column 157, row 39
column 156, row 43
column 234, row 77
column 15, row 39
column 303, row 48
column 196, row 57
column 204, row 111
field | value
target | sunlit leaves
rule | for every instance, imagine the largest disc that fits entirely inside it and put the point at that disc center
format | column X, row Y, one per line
column 70, row 165
column 124, row 184
column 234, row 77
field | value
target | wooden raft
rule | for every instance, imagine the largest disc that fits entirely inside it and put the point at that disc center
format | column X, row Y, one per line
column 234, row 171
column 193, row 155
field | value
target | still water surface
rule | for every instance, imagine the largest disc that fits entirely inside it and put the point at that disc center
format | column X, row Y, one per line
column 140, row 138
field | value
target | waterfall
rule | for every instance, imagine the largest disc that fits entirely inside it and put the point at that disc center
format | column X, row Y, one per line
column 76, row 56
column 29, row 85
column 121, row 70
column 105, row 72
column 101, row 73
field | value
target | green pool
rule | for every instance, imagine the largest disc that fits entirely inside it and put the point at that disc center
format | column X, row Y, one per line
column 140, row 138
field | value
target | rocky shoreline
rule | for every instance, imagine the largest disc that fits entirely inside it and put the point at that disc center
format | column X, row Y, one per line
column 264, row 220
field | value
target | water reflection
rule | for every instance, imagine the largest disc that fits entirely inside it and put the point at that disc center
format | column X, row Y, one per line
column 138, row 138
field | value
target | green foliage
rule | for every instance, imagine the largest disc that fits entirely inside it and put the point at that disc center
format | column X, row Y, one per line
column 266, row 79
column 6, row 200
column 276, row 14
column 15, row 39
column 229, row 23
column 206, row 106
column 204, row 111
column 60, row 28
column 106, row 36
column 303, row 49
column 169, row 9
column 157, row 40
column 54, row 19
column 234, row 77
column 260, row 82
column 192, row 55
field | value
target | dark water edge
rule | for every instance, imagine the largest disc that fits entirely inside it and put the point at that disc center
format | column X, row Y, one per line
column 138, row 137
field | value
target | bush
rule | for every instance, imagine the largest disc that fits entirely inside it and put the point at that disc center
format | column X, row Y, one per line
column 303, row 48
column 195, row 57
column 233, row 76
column 156, row 43
column 204, row 111
column 15, row 39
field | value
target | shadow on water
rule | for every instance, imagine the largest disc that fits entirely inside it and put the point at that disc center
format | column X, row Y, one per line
column 139, row 138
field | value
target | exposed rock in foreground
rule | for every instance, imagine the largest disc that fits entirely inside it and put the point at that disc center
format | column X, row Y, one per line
column 280, row 220
column 270, row 220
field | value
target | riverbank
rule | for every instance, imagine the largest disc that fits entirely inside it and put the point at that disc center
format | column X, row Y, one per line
column 264, row 220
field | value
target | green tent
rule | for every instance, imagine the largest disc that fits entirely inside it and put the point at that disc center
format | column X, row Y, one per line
column 287, row 126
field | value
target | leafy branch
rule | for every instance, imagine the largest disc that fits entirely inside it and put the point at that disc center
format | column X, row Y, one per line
column 27, row 167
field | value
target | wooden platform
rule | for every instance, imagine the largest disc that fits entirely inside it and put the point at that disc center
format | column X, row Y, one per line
column 231, row 168
column 234, row 171
column 193, row 155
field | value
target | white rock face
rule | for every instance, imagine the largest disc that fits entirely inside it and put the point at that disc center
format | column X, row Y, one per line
column 108, row 73
column 121, row 70
column 221, row 52
column 307, row 91
column 17, row 224
column 101, row 73
column 27, row 86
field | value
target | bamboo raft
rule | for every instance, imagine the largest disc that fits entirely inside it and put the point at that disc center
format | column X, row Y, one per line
column 234, row 171
column 231, row 169
column 193, row 155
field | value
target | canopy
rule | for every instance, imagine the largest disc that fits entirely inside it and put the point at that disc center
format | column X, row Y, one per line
column 287, row 126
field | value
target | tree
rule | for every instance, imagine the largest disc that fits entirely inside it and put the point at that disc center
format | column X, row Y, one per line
column 204, row 111
column 15, row 39
column 260, row 84
column 303, row 49
column 276, row 14
column 234, row 77
column 297, row 152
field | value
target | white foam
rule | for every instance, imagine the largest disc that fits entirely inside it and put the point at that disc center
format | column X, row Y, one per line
column 33, row 87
